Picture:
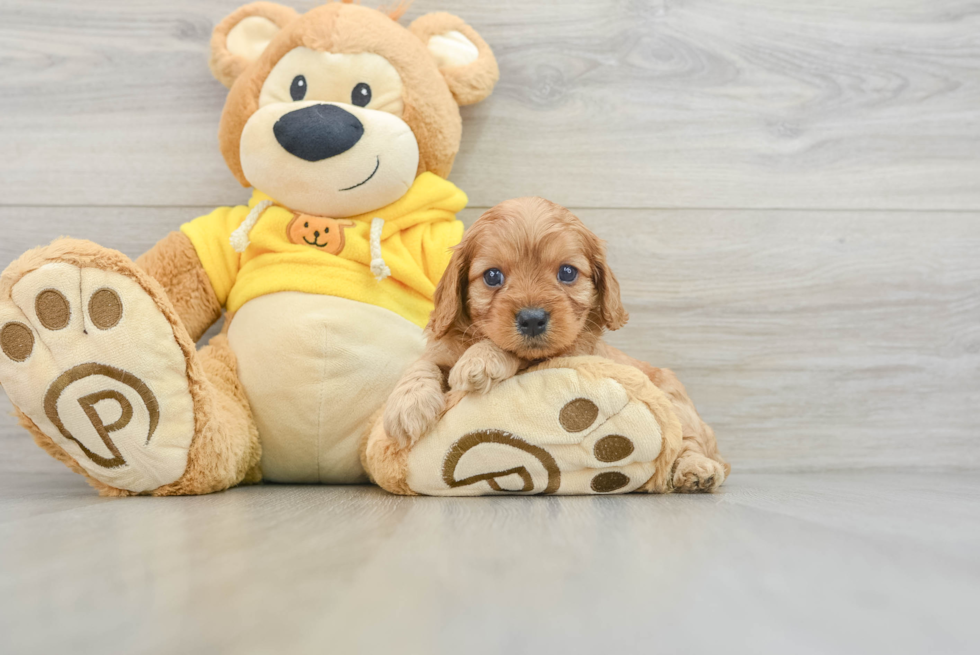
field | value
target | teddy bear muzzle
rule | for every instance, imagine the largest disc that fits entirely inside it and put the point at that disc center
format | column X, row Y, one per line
column 329, row 158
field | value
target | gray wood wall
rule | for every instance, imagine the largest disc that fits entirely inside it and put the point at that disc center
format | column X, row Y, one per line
column 790, row 188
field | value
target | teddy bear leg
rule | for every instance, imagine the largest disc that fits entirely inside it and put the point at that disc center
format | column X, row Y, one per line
column 581, row 425
column 107, row 380
column 225, row 450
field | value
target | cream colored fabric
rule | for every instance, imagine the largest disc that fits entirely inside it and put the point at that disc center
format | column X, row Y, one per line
column 80, row 367
column 249, row 38
column 493, row 433
column 315, row 368
column 453, row 49
column 376, row 171
column 332, row 77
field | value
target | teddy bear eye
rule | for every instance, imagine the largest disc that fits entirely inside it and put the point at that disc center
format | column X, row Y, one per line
column 493, row 277
column 361, row 95
column 298, row 88
column 567, row 274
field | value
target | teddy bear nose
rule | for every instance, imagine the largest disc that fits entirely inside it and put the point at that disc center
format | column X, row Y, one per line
column 318, row 132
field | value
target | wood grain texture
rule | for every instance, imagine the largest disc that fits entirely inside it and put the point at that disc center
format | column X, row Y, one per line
column 694, row 103
column 734, row 153
column 808, row 339
column 820, row 563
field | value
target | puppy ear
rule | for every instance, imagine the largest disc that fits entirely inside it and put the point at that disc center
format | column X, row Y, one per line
column 450, row 294
column 241, row 38
column 609, row 302
column 463, row 57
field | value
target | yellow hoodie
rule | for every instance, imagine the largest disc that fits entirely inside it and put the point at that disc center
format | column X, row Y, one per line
column 291, row 251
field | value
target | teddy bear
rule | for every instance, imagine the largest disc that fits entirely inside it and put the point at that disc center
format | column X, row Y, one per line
column 345, row 124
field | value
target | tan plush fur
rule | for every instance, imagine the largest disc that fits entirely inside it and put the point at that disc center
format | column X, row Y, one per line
column 173, row 263
column 226, row 66
column 470, row 83
column 430, row 108
column 225, row 448
column 473, row 340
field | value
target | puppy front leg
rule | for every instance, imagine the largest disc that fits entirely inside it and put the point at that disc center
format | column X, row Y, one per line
column 482, row 366
column 416, row 403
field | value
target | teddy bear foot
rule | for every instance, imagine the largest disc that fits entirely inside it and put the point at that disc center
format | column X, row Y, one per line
column 94, row 363
column 573, row 426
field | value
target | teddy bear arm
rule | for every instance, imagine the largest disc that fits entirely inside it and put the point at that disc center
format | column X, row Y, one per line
column 174, row 263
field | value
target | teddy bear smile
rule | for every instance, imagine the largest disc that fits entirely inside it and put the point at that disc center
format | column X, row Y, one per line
column 377, row 165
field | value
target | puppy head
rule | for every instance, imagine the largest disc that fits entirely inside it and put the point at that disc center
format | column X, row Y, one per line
column 530, row 277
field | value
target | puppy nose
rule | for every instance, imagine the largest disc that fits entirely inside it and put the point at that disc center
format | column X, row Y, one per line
column 532, row 321
column 318, row 132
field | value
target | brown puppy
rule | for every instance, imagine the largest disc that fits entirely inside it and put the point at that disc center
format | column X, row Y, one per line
column 530, row 282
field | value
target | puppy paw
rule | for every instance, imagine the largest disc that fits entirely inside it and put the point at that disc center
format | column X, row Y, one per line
column 695, row 473
column 415, row 405
column 481, row 367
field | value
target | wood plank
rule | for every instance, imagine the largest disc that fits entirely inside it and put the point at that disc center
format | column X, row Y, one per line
column 733, row 103
column 809, row 339
column 820, row 563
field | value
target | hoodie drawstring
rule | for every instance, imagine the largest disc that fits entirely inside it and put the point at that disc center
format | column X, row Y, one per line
column 239, row 238
column 378, row 266
column 240, row 241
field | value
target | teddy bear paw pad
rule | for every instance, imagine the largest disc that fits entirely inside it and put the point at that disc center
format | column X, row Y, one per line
column 91, row 359
column 551, row 431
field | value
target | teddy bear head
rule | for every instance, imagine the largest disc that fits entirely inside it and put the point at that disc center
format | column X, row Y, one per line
column 335, row 112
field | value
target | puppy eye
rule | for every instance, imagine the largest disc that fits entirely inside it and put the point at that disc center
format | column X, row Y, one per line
column 298, row 88
column 493, row 277
column 361, row 95
column 567, row 274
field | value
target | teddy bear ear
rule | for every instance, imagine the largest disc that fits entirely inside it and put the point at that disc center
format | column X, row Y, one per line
column 463, row 57
column 243, row 35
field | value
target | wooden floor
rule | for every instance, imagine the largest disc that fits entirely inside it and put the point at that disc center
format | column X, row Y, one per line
column 881, row 562
column 790, row 190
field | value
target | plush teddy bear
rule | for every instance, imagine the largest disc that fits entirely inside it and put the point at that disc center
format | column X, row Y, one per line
column 346, row 124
